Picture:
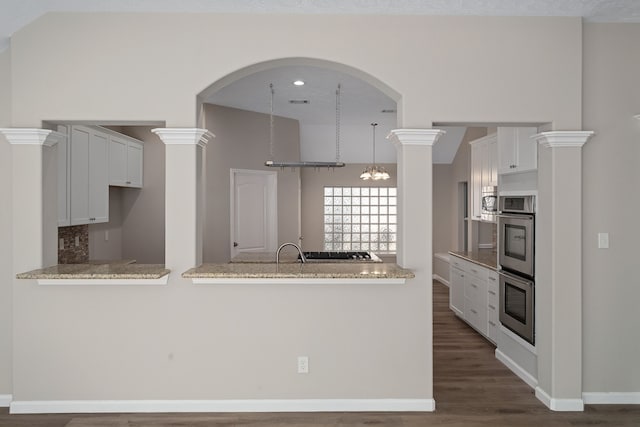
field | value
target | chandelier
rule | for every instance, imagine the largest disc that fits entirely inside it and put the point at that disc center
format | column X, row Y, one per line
column 374, row 171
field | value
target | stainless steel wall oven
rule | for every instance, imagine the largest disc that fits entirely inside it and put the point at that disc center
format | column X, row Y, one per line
column 516, row 257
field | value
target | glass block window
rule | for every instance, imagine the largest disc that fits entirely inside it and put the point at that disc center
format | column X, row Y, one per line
column 360, row 219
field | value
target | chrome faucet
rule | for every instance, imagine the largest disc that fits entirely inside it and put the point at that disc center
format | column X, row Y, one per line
column 302, row 258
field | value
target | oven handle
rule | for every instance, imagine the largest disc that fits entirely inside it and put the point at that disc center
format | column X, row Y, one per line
column 515, row 278
column 513, row 215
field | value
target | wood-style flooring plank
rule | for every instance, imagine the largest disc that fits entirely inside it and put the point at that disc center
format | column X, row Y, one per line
column 471, row 388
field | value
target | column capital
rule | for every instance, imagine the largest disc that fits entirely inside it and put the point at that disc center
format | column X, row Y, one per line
column 183, row 136
column 415, row 136
column 32, row 136
column 555, row 139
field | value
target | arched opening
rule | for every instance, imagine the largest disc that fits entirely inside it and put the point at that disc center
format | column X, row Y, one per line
column 311, row 124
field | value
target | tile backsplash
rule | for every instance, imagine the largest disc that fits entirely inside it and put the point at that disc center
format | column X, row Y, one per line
column 70, row 253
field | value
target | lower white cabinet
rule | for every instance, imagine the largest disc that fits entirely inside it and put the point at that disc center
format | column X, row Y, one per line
column 456, row 290
column 473, row 295
column 492, row 306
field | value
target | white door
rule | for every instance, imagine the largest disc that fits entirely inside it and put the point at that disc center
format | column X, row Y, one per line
column 254, row 216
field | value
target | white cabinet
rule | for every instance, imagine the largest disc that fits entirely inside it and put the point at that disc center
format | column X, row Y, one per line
column 492, row 306
column 125, row 162
column 484, row 170
column 89, row 176
column 64, row 183
column 89, row 160
column 517, row 151
column 473, row 296
column 456, row 291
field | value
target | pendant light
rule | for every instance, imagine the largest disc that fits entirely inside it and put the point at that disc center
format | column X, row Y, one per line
column 275, row 164
column 374, row 172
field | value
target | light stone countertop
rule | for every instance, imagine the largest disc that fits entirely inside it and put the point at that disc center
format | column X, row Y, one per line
column 299, row 271
column 266, row 257
column 111, row 270
column 485, row 257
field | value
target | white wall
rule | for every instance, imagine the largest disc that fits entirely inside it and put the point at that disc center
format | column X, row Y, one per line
column 143, row 225
column 443, row 215
column 242, row 142
column 610, row 204
column 105, row 239
column 6, row 280
column 188, row 342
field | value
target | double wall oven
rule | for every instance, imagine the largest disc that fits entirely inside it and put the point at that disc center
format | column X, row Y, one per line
column 516, row 250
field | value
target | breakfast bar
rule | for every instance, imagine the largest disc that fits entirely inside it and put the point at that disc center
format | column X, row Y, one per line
column 298, row 273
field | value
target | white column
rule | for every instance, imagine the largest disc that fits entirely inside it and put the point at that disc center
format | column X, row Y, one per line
column 559, row 269
column 184, row 154
column 34, row 193
column 414, row 158
column 414, row 249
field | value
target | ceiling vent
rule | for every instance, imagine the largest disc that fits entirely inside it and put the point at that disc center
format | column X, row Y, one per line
column 299, row 101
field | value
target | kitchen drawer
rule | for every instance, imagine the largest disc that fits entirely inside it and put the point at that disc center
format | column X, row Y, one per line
column 475, row 289
column 477, row 271
column 492, row 330
column 492, row 297
column 459, row 263
column 476, row 315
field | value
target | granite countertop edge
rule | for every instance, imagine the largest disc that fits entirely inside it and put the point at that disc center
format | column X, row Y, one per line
column 296, row 271
column 486, row 258
column 90, row 271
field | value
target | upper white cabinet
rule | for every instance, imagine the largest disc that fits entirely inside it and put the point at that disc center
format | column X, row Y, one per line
column 64, row 182
column 89, row 160
column 125, row 162
column 517, row 151
column 89, row 176
column 484, row 170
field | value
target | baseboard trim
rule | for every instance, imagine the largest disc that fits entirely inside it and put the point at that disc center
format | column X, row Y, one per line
column 612, row 398
column 516, row 369
column 560, row 405
column 5, row 400
column 267, row 405
column 441, row 280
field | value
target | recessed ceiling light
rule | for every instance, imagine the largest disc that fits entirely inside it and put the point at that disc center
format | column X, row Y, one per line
column 299, row 83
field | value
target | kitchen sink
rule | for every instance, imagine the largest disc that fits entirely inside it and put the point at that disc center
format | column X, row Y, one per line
column 340, row 256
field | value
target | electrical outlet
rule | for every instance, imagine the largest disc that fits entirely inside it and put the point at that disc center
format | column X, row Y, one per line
column 603, row 240
column 303, row 365
column 77, row 241
column 61, row 244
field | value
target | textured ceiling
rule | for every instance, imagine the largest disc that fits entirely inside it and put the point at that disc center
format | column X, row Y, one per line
column 14, row 14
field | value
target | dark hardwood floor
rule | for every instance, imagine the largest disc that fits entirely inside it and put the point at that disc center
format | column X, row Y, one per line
column 471, row 388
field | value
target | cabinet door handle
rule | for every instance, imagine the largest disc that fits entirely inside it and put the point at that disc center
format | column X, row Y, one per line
column 128, row 182
column 491, row 323
column 475, row 271
column 492, row 278
column 473, row 311
column 474, row 285
column 491, row 307
column 492, row 293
